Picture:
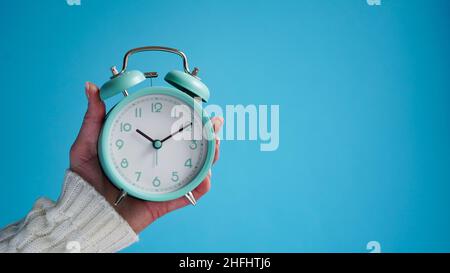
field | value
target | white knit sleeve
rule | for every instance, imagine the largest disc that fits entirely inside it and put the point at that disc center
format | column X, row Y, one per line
column 80, row 221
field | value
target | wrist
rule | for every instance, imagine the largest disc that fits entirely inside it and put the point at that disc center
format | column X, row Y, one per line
column 94, row 222
column 134, row 211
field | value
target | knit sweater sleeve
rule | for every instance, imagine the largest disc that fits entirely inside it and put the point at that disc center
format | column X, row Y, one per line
column 80, row 221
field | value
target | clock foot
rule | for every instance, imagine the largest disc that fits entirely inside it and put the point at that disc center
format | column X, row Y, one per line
column 191, row 198
column 120, row 198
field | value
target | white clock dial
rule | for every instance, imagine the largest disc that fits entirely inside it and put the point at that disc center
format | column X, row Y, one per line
column 134, row 138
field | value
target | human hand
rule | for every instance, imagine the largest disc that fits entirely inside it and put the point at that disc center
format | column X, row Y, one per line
column 84, row 161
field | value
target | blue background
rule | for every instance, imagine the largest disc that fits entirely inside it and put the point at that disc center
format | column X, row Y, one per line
column 364, row 115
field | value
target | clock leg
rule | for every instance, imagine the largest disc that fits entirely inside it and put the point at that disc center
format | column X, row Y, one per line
column 121, row 196
column 191, row 198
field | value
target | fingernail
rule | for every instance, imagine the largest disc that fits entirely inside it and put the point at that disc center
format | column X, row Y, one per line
column 218, row 122
column 86, row 89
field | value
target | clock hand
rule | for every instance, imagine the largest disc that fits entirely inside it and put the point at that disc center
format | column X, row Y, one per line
column 157, row 144
column 144, row 135
column 179, row 131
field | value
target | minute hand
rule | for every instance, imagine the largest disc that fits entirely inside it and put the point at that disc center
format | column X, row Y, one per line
column 179, row 131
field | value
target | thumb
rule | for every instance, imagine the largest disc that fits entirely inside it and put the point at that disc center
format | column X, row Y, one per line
column 93, row 119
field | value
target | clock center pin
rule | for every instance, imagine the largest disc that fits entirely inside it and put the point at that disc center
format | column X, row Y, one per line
column 157, row 144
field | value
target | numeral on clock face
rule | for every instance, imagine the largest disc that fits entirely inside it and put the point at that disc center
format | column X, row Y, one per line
column 175, row 177
column 156, row 182
column 124, row 163
column 193, row 145
column 156, row 107
column 125, row 127
column 138, row 112
column 188, row 163
column 119, row 144
column 138, row 176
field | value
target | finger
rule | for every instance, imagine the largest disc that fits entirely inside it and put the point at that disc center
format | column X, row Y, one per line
column 203, row 188
column 198, row 192
column 93, row 118
column 217, row 151
column 217, row 125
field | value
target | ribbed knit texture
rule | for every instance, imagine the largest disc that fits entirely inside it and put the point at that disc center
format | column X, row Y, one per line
column 80, row 221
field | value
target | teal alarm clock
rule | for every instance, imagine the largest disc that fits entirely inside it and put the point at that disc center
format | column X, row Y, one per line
column 157, row 143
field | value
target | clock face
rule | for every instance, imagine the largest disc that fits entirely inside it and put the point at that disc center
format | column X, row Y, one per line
column 155, row 143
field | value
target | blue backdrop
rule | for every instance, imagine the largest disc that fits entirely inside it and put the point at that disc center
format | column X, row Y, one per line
column 364, row 115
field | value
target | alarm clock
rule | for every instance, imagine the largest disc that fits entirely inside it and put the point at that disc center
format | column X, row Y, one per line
column 157, row 143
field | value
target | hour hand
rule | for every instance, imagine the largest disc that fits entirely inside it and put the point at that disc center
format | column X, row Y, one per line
column 144, row 135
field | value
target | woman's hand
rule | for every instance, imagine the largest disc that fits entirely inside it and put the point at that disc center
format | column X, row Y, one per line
column 84, row 161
